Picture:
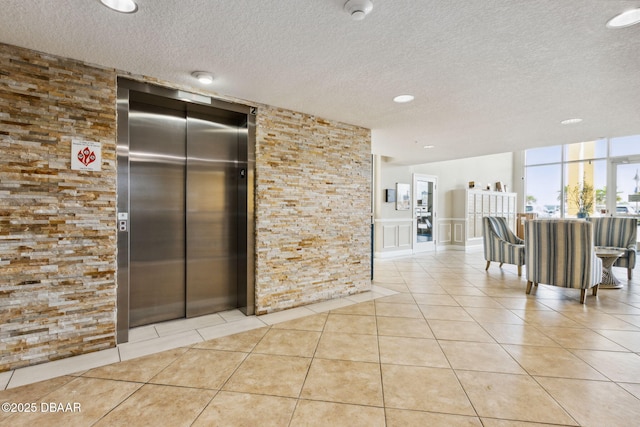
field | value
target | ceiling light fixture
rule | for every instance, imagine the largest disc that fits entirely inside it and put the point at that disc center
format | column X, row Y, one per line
column 401, row 99
column 203, row 77
column 358, row 9
column 570, row 121
column 428, row 147
column 625, row 19
column 123, row 6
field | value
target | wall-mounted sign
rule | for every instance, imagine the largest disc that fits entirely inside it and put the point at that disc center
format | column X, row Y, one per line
column 86, row 156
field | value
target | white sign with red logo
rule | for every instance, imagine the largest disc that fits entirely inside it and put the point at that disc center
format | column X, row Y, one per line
column 86, row 156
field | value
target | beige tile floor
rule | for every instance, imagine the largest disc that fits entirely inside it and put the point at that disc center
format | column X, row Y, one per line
column 452, row 345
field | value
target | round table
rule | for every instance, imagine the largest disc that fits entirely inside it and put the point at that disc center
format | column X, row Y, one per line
column 609, row 257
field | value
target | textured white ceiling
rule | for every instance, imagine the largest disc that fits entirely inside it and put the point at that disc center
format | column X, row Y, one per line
column 488, row 76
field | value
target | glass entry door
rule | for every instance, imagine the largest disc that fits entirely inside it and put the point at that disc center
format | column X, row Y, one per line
column 424, row 212
column 627, row 197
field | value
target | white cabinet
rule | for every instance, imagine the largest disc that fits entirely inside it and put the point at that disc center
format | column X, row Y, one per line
column 472, row 205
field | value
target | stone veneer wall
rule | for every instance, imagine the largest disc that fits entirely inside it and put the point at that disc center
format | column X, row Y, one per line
column 313, row 204
column 57, row 226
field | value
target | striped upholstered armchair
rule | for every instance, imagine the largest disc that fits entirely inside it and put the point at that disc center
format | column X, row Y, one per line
column 562, row 253
column 500, row 244
column 617, row 233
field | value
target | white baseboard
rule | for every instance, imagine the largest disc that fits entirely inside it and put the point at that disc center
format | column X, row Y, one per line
column 466, row 248
column 393, row 254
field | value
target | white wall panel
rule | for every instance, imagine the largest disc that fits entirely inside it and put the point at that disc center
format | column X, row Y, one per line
column 389, row 234
column 444, row 233
column 458, row 233
column 405, row 236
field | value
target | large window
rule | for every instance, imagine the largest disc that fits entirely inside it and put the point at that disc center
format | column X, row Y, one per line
column 628, row 186
column 626, row 154
column 586, row 150
column 543, row 155
column 571, row 180
column 626, row 145
column 543, row 195
column 585, row 191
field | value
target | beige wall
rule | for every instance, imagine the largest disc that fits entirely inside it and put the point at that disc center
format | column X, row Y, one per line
column 455, row 174
column 58, row 226
column 452, row 174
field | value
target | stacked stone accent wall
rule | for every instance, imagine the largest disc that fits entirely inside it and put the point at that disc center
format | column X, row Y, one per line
column 57, row 225
column 313, row 204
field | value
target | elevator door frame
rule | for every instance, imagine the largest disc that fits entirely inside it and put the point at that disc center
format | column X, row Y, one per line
column 246, row 294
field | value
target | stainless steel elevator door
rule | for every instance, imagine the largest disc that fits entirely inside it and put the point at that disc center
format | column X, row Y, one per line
column 157, row 213
column 212, row 214
column 202, row 229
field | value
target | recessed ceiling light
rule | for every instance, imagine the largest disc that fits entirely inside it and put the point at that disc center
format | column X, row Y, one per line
column 124, row 6
column 401, row 99
column 203, row 77
column 625, row 19
column 570, row 121
column 428, row 147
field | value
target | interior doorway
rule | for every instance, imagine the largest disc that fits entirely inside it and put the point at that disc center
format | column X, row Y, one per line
column 424, row 212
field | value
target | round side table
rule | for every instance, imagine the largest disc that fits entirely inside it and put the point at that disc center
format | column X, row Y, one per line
column 608, row 257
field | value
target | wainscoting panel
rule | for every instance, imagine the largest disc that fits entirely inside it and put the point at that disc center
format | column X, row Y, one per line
column 393, row 237
column 452, row 232
column 405, row 236
column 444, row 232
column 389, row 236
column 458, row 233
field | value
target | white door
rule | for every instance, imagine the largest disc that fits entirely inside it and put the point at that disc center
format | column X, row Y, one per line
column 424, row 212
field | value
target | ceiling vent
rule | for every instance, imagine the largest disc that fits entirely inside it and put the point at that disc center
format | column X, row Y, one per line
column 358, row 9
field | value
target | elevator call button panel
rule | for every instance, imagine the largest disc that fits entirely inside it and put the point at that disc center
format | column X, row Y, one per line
column 123, row 219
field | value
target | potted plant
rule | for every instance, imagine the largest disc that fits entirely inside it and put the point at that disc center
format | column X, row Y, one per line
column 582, row 197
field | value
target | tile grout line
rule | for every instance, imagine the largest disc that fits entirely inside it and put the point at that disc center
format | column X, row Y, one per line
column 384, row 404
column 448, row 361
column 306, row 376
column 119, row 347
